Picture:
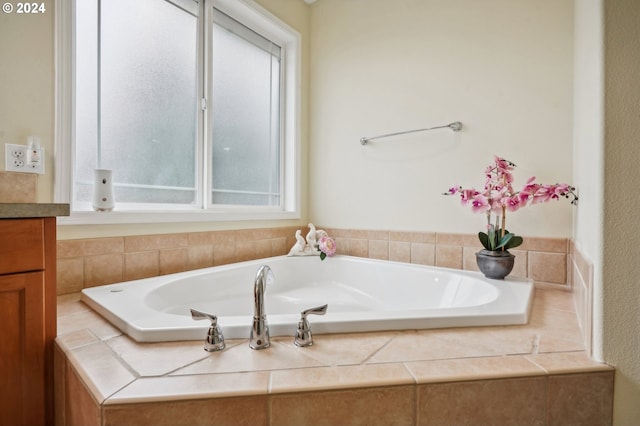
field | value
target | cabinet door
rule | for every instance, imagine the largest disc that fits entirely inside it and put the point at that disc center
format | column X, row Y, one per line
column 22, row 349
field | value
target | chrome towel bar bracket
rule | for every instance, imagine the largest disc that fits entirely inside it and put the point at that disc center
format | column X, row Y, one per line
column 456, row 126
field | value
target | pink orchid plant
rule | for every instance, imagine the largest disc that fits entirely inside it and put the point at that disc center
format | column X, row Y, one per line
column 498, row 197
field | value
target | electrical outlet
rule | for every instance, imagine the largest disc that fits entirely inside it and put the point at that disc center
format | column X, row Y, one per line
column 17, row 160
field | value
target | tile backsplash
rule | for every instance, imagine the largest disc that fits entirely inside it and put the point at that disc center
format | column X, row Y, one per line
column 18, row 187
column 91, row 262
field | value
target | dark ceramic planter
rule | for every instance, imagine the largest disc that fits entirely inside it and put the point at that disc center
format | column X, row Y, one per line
column 495, row 264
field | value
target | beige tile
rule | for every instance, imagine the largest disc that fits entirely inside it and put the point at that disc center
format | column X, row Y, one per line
column 359, row 247
column 455, row 239
column 172, row 388
column 100, row 370
column 584, row 265
column 262, row 249
column 89, row 247
column 547, row 317
column 279, row 246
column 59, row 385
column 567, row 362
column 378, row 235
column 174, row 260
column 455, row 370
column 520, row 264
column 245, row 250
column 581, row 399
column 257, row 234
column 423, row 254
column 154, row 242
column 70, row 275
column 469, row 262
column 242, row 411
column 156, row 359
column 70, row 304
column 103, row 269
column 18, row 187
column 343, row 245
column 287, row 231
column 142, row 264
column 199, row 257
column 400, row 251
column 343, row 377
column 80, row 407
column 87, row 320
column 449, row 256
column 379, row 249
column 561, row 341
column 359, row 234
column 455, row 343
column 224, row 254
column 400, row 236
column 200, row 238
column 423, row 237
column 548, row 267
column 429, row 345
column 354, row 348
column 487, row 402
column 374, row 406
column 505, row 340
column 223, row 237
column 242, row 358
column 75, row 339
column 554, row 299
column 69, row 248
column 552, row 245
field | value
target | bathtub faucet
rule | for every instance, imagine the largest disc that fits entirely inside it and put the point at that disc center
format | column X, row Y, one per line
column 259, row 338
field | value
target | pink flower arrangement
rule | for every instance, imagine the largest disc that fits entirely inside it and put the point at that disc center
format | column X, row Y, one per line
column 498, row 196
column 327, row 247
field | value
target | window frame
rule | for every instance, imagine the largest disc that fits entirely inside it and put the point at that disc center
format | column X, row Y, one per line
column 250, row 14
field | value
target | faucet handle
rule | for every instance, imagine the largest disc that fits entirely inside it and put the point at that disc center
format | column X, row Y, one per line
column 215, row 339
column 303, row 334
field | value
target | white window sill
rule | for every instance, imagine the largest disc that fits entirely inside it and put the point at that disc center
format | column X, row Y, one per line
column 196, row 215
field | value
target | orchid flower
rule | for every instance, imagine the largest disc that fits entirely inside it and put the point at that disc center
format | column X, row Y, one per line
column 499, row 196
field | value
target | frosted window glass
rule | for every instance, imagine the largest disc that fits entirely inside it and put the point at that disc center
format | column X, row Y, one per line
column 145, row 95
column 245, row 117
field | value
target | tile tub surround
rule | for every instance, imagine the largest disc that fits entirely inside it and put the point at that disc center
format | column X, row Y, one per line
column 97, row 261
column 18, row 187
column 534, row 374
column 581, row 278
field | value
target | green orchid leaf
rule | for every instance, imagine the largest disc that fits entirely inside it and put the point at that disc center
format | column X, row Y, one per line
column 484, row 240
column 505, row 240
column 513, row 242
column 493, row 238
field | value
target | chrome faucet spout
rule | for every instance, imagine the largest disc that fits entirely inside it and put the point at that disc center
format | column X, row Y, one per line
column 259, row 338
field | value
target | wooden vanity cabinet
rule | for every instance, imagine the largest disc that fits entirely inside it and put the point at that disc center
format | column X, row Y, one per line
column 27, row 320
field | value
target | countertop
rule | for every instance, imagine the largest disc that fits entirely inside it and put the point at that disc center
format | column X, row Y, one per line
column 29, row 210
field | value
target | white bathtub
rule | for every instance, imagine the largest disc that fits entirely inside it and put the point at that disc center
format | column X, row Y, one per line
column 363, row 295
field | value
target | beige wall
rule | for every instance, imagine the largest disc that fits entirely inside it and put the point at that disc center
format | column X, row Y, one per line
column 27, row 85
column 621, row 251
column 606, row 134
column 502, row 67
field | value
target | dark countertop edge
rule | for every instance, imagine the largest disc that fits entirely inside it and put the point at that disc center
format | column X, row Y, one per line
column 32, row 210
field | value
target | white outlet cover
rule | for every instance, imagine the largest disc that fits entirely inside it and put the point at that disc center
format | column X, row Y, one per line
column 16, row 160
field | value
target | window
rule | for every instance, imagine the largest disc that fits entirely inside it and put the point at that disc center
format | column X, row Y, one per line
column 192, row 104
